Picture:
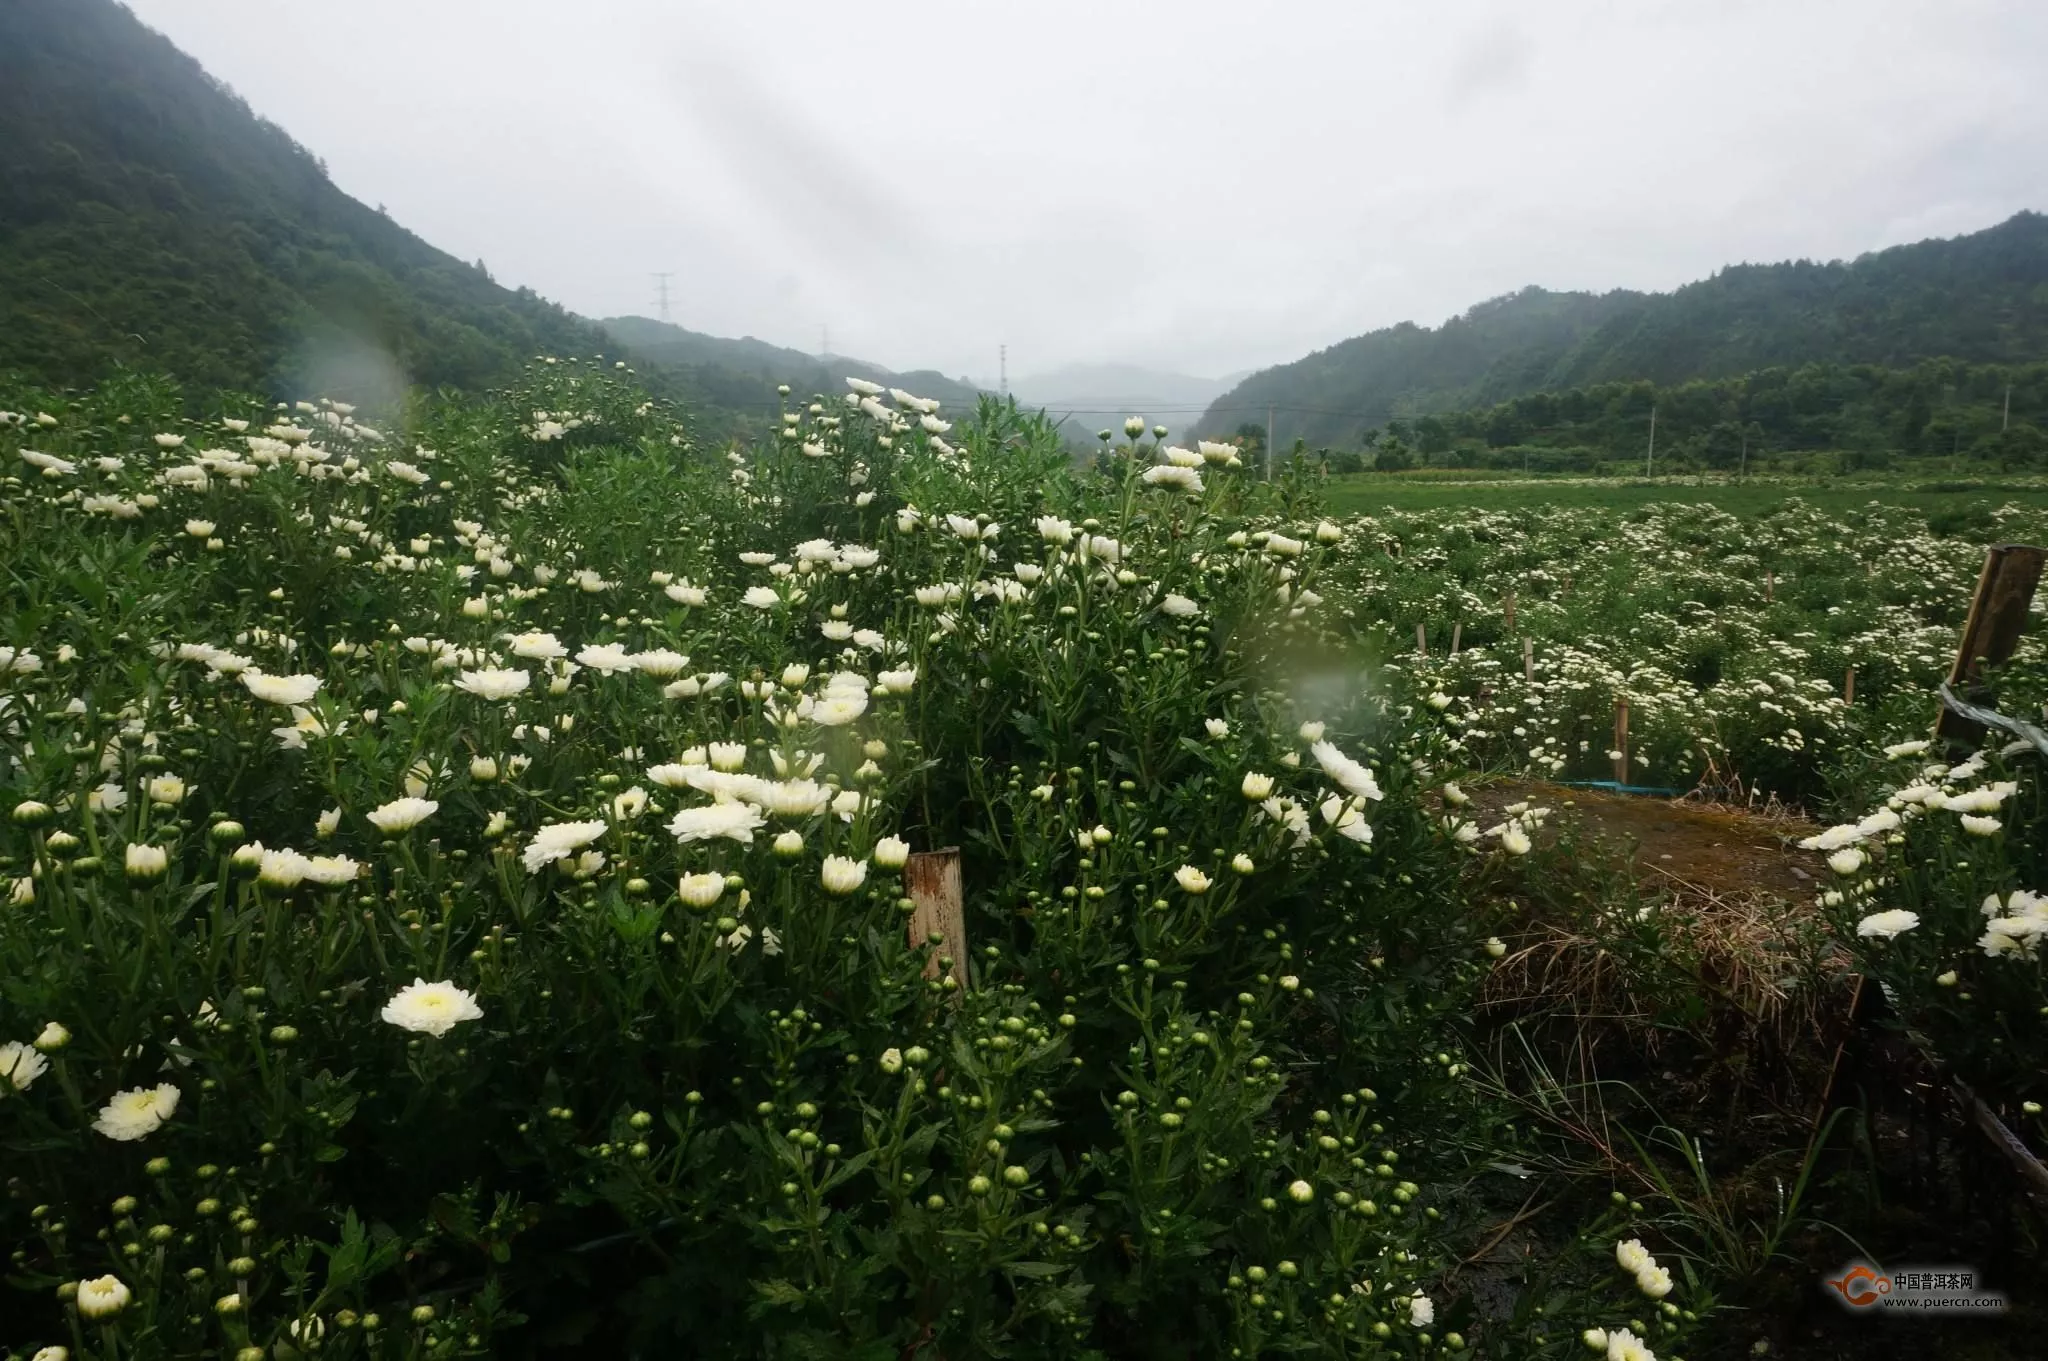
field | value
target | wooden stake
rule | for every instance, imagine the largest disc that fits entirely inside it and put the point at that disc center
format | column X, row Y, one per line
column 1421, row 641
column 1770, row 585
column 1509, row 611
column 1457, row 632
column 931, row 879
column 1849, row 687
column 1528, row 660
column 1621, row 740
column 1998, row 615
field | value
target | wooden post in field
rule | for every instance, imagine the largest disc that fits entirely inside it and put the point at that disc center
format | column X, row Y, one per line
column 1621, row 740
column 1421, row 641
column 1849, row 687
column 1998, row 615
column 1528, row 660
column 931, row 879
column 1457, row 633
column 1510, row 614
column 1770, row 584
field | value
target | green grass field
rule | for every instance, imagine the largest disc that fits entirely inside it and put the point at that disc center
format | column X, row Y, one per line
column 1367, row 493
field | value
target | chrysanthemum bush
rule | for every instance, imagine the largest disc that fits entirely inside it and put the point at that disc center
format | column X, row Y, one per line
column 1731, row 638
column 456, row 901
column 1941, row 891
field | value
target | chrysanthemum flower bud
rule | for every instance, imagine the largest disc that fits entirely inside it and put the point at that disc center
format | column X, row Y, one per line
column 32, row 813
column 891, row 852
column 789, row 845
column 483, row 769
column 1242, row 863
column 145, row 864
column 1256, row 786
column 892, row 1061
column 1300, row 1192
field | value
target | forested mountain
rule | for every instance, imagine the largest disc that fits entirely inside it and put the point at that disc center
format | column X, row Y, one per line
column 1863, row 415
column 741, row 376
column 150, row 219
column 1981, row 299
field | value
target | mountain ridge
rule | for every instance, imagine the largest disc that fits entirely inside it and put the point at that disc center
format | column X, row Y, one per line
column 1981, row 298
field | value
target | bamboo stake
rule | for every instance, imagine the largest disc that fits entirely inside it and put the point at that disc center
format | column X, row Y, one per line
column 1421, row 641
column 1849, row 687
column 1621, row 740
column 1528, row 660
column 1991, row 633
column 1457, row 632
column 931, row 879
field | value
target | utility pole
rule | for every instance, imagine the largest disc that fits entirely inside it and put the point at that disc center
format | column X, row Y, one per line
column 1003, row 369
column 1650, row 458
column 1269, row 443
column 661, row 292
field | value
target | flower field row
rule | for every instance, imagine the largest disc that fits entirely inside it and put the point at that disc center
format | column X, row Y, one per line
column 462, row 855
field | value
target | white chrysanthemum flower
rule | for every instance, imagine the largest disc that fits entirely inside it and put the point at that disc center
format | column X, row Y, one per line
column 1279, row 545
column 1421, row 1311
column 402, row 815
column 683, row 593
column 1980, row 826
column 20, row 1066
column 1191, row 880
column 1346, row 820
column 1623, row 1345
column 1885, row 925
column 628, row 804
column 1256, row 786
column 286, row 690
column 892, row 852
column 1354, row 779
column 558, row 840
column 841, row 875
column 1055, row 531
column 332, row 870
column 431, row 1008
column 899, row 681
column 494, row 683
column 727, row 756
column 102, row 1297
column 132, row 1114
column 761, row 597
column 1631, row 1256
column 1834, row 838
column 1170, row 475
column 1847, row 861
column 1311, row 731
column 837, row 710
column 1899, row 749
column 700, row 890
column 1514, row 840
column 537, row 646
column 282, row 868
column 1179, row 606
column 144, row 863
column 734, row 821
column 607, row 659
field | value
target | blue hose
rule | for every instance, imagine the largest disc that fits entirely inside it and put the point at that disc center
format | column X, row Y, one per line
column 1615, row 787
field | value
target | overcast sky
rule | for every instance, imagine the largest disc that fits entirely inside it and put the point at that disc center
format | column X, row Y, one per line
column 1201, row 185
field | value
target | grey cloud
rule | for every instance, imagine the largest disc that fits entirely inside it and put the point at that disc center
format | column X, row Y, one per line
column 1189, row 185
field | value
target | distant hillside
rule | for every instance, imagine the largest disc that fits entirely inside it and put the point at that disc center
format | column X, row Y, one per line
column 741, row 376
column 1981, row 298
column 151, row 219
column 1101, row 395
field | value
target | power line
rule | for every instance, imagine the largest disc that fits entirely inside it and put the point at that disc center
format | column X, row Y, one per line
column 661, row 291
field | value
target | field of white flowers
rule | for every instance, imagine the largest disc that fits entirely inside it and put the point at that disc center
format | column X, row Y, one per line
column 457, row 904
